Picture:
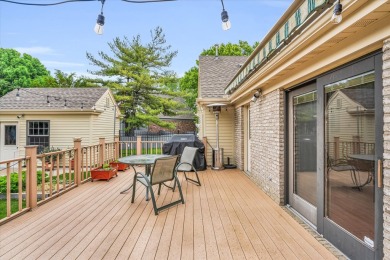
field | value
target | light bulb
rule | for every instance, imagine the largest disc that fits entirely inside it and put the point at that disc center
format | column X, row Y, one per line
column 226, row 25
column 99, row 24
column 225, row 20
column 336, row 18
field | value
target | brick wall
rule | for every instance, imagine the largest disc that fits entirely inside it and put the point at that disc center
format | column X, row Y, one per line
column 239, row 137
column 267, row 147
column 386, row 162
column 182, row 126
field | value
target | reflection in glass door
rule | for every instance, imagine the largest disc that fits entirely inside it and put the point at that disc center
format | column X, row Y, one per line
column 350, row 149
column 303, row 152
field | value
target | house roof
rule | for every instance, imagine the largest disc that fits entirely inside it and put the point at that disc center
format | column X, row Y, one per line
column 216, row 72
column 361, row 95
column 36, row 98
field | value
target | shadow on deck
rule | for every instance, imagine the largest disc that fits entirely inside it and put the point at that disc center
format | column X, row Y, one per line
column 227, row 217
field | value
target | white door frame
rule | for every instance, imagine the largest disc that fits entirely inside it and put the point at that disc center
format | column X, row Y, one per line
column 247, row 141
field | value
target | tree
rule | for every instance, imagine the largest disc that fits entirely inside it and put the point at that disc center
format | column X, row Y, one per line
column 19, row 70
column 189, row 82
column 62, row 80
column 138, row 76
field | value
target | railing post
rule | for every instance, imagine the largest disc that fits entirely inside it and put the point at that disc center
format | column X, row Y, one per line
column 116, row 140
column 139, row 145
column 102, row 149
column 31, row 151
column 336, row 147
column 204, row 140
column 77, row 160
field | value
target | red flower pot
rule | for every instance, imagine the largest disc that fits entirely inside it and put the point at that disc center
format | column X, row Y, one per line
column 103, row 174
column 119, row 166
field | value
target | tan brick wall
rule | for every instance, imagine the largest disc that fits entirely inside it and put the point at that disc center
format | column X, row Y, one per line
column 267, row 147
column 386, row 162
column 239, row 137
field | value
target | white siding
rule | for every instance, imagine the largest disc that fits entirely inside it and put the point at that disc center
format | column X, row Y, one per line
column 226, row 133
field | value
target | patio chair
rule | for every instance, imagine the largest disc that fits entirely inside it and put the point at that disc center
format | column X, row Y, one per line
column 341, row 165
column 185, row 164
column 164, row 169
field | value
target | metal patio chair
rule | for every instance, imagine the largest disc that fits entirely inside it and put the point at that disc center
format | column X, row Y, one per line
column 164, row 169
column 186, row 163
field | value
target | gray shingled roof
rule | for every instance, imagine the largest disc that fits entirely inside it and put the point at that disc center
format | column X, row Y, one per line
column 36, row 98
column 216, row 73
column 363, row 95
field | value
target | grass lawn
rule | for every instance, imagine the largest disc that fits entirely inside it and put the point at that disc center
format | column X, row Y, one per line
column 14, row 207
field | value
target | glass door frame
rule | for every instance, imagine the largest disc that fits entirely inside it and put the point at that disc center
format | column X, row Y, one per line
column 304, row 208
column 352, row 247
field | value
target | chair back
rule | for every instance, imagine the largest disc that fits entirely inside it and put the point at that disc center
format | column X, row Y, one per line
column 188, row 155
column 163, row 169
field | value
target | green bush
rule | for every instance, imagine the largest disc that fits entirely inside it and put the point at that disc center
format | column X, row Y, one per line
column 15, row 181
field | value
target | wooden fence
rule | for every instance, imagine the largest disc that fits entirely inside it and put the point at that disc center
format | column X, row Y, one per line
column 38, row 178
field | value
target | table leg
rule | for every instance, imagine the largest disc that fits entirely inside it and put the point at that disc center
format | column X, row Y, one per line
column 128, row 188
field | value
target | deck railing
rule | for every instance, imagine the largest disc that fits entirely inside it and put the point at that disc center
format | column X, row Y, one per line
column 38, row 178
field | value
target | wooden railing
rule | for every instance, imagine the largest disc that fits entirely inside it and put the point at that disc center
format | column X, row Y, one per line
column 42, row 177
column 340, row 149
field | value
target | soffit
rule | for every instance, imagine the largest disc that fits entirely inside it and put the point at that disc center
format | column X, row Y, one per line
column 313, row 42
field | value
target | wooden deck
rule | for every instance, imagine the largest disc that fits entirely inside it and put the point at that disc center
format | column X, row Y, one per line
column 227, row 217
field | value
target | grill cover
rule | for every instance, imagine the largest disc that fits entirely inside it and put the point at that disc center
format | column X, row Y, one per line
column 176, row 146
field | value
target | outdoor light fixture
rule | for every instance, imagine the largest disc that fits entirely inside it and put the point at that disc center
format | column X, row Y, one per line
column 336, row 16
column 226, row 25
column 100, row 21
column 256, row 95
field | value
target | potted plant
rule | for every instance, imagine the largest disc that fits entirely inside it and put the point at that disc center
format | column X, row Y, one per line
column 50, row 164
column 118, row 165
column 103, row 173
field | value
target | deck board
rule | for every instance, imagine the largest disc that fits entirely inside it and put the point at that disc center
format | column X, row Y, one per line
column 227, row 217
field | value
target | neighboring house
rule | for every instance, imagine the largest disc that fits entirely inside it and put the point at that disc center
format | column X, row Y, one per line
column 183, row 124
column 215, row 72
column 322, row 85
column 52, row 117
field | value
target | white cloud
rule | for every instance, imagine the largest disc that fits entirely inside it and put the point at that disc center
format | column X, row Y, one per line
column 61, row 64
column 36, row 50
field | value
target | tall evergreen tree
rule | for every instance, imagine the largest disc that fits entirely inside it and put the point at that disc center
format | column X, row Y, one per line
column 138, row 76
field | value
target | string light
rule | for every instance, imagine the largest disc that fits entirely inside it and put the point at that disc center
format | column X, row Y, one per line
column 56, row 98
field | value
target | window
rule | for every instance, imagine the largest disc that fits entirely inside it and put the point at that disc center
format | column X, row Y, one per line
column 10, row 135
column 38, row 133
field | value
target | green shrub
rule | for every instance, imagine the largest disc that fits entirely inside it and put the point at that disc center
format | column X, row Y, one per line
column 15, row 181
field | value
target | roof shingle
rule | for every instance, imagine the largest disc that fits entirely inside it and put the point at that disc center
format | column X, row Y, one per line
column 216, row 72
column 36, row 98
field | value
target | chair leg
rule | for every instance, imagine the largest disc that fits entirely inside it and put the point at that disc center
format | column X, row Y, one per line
column 159, row 189
column 197, row 181
column 179, row 188
column 153, row 200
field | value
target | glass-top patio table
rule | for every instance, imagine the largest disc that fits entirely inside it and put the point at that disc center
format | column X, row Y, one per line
column 143, row 159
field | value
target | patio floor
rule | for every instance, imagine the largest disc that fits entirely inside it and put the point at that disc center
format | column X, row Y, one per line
column 227, row 217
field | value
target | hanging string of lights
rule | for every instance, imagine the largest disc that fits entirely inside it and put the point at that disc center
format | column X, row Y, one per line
column 226, row 25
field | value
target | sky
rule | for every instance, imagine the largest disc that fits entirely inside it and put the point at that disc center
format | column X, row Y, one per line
column 60, row 36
